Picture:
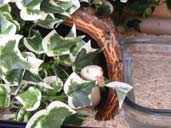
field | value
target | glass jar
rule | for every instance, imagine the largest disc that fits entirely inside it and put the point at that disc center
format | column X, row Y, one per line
column 147, row 66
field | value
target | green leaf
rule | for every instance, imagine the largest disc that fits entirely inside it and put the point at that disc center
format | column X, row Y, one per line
column 31, row 15
column 10, row 55
column 33, row 61
column 84, row 58
column 105, row 9
column 3, row 2
column 69, row 59
column 15, row 76
column 49, row 22
column 54, row 82
column 121, row 88
column 5, row 8
column 30, row 99
column 20, row 114
column 56, row 45
column 29, row 76
column 51, row 7
column 168, row 2
column 78, row 91
column 64, row 7
column 6, row 26
column 4, row 96
column 30, row 10
column 75, row 120
column 52, row 117
column 34, row 43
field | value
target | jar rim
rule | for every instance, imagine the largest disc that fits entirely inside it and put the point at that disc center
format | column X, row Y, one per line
column 145, row 110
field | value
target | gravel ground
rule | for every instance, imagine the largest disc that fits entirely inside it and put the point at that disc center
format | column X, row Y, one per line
column 151, row 66
column 119, row 121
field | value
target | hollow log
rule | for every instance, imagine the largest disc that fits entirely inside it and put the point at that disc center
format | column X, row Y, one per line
column 103, row 31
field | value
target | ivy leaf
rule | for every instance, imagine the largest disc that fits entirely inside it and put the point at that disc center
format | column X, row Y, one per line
column 5, row 8
column 34, row 43
column 78, row 91
column 69, row 59
column 168, row 2
column 30, row 99
column 30, row 10
column 29, row 76
column 66, row 7
column 4, row 96
column 56, row 45
column 51, row 7
column 49, row 22
column 84, row 58
column 75, row 120
column 6, row 26
column 105, row 9
column 11, row 57
column 121, row 88
column 52, row 117
column 3, row 2
column 20, row 114
column 33, row 61
column 54, row 82
column 15, row 76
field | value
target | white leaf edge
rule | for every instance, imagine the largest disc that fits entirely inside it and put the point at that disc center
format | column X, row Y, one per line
column 7, row 88
column 30, row 47
column 33, row 61
column 51, row 106
column 75, row 78
column 120, row 86
column 87, row 47
column 27, row 17
column 36, row 105
column 35, row 117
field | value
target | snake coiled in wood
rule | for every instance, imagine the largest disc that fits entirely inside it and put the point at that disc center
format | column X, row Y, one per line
column 104, row 34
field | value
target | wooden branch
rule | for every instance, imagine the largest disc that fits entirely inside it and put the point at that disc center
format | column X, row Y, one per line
column 102, row 32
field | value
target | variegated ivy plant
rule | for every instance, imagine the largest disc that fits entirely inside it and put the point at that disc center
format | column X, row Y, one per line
column 34, row 68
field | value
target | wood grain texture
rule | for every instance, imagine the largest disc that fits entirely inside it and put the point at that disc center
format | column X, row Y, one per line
column 103, row 32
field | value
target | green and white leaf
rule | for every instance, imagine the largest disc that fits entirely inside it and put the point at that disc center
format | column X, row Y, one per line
column 4, row 96
column 50, row 6
column 33, row 61
column 4, row 2
column 87, row 46
column 7, row 26
column 15, row 76
column 30, row 10
column 56, row 45
column 75, row 6
column 34, row 43
column 83, row 59
column 68, row 60
column 20, row 114
column 30, row 99
column 62, row 7
column 55, row 83
column 121, row 88
column 52, row 117
column 50, row 21
column 11, row 57
column 78, row 91
column 5, row 8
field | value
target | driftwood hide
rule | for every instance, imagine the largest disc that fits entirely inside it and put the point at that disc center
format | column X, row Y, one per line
column 103, row 32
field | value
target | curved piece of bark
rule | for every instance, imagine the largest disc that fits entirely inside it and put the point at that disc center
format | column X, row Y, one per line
column 102, row 32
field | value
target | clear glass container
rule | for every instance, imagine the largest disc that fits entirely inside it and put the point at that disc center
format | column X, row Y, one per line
column 147, row 66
